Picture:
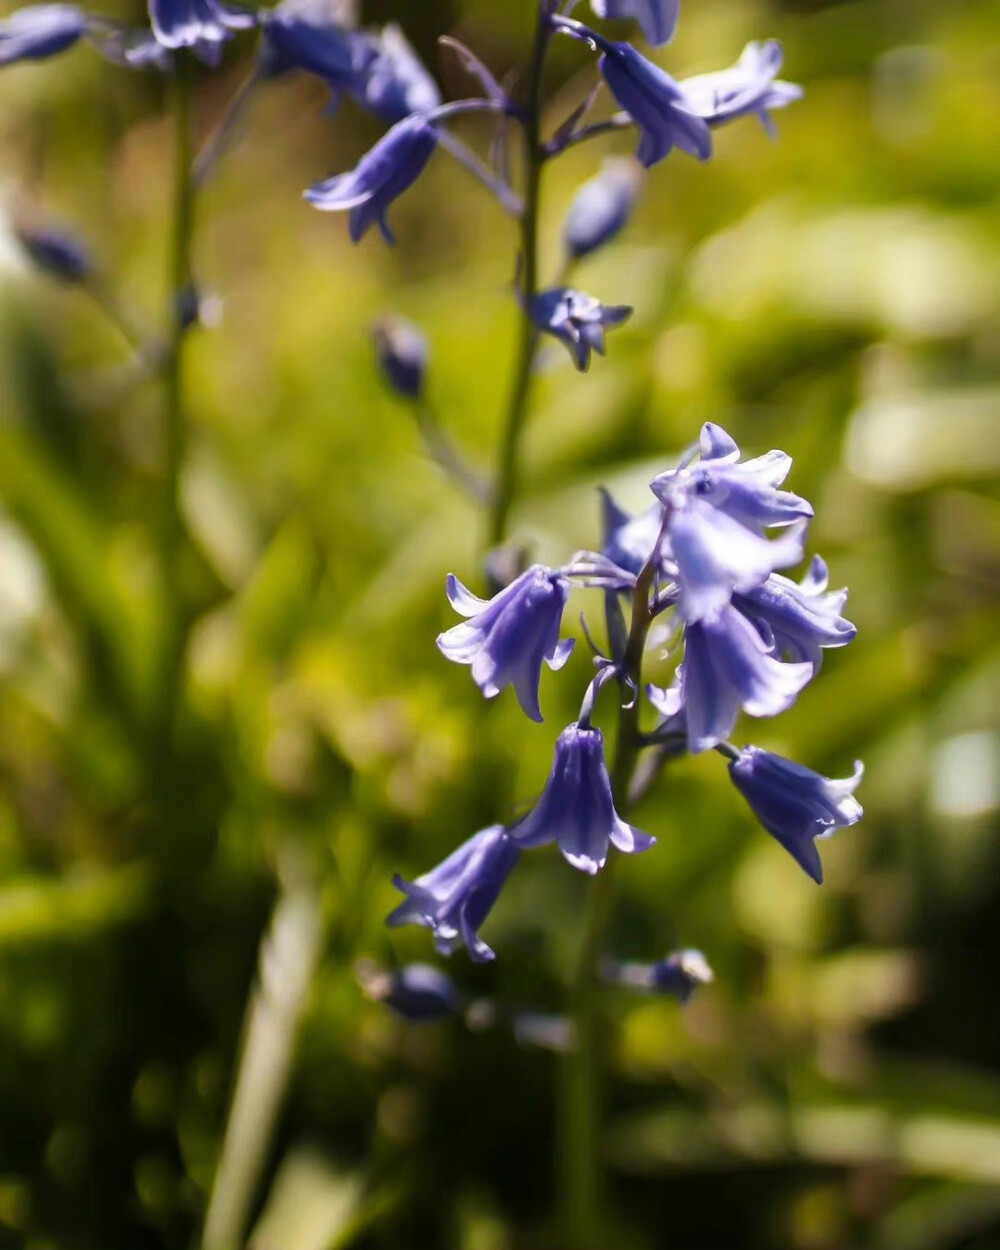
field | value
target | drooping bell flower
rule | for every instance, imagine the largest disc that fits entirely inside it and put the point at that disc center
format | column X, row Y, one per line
column 576, row 808
column 308, row 35
column 802, row 618
column 453, row 899
column 656, row 104
column 576, row 319
column 190, row 23
column 657, row 18
column 40, row 31
column 507, row 638
column 628, row 540
column 719, row 512
column 396, row 82
column 751, row 86
column 727, row 667
column 795, row 804
column 380, row 177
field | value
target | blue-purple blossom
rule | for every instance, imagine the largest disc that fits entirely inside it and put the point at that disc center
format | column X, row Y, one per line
column 507, row 638
column 749, row 86
column 453, row 899
column 602, row 207
column 56, row 252
column 628, row 540
column 379, row 69
column 679, row 974
column 746, row 491
column 190, row 23
column 801, row 618
column 401, row 350
column 40, row 31
column 795, row 804
column 719, row 510
column 419, row 993
column 716, row 556
column 658, row 18
column 656, row 104
column 576, row 319
column 381, row 176
column 576, row 808
column 396, row 82
column 727, row 666
column 305, row 35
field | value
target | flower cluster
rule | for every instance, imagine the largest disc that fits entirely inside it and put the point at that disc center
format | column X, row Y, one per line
column 710, row 551
column 380, row 71
column 746, row 637
column 383, row 74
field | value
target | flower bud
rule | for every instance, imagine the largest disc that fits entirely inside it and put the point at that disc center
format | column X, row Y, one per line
column 602, row 207
column 55, row 252
column 402, row 352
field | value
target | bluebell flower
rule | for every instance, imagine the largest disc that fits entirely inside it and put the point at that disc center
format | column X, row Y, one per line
column 628, row 540
column 795, row 804
column 716, row 556
column 658, row 18
column 56, row 252
column 719, row 510
column 507, row 637
column 679, row 974
column 40, row 31
column 656, row 103
column 381, row 176
column 193, row 23
column 379, row 69
column 401, row 350
column 577, row 320
column 728, row 666
column 602, row 207
column 801, row 618
column 419, row 993
column 396, row 83
column 306, row 35
column 453, row 899
column 576, row 808
column 749, row 86
column 746, row 491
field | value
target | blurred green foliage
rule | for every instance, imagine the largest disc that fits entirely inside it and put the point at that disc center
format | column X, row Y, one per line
column 837, row 294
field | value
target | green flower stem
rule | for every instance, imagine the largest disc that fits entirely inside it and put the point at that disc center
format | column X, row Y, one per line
column 517, row 410
column 582, row 1219
column 179, row 278
column 447, row 456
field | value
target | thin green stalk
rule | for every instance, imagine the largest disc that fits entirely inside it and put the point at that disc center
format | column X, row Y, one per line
column 288, row 958
column 582, row 1198
column 517, row 409
column 179, row 278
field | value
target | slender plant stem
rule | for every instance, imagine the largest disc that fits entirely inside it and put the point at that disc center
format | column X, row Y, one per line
column 446, row 455
column 224, row 133
column 580, row 1089
column 288, row 958
column 517, row 410
column 178, row 278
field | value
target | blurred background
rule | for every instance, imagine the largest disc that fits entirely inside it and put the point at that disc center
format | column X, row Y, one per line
column 836, row 294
